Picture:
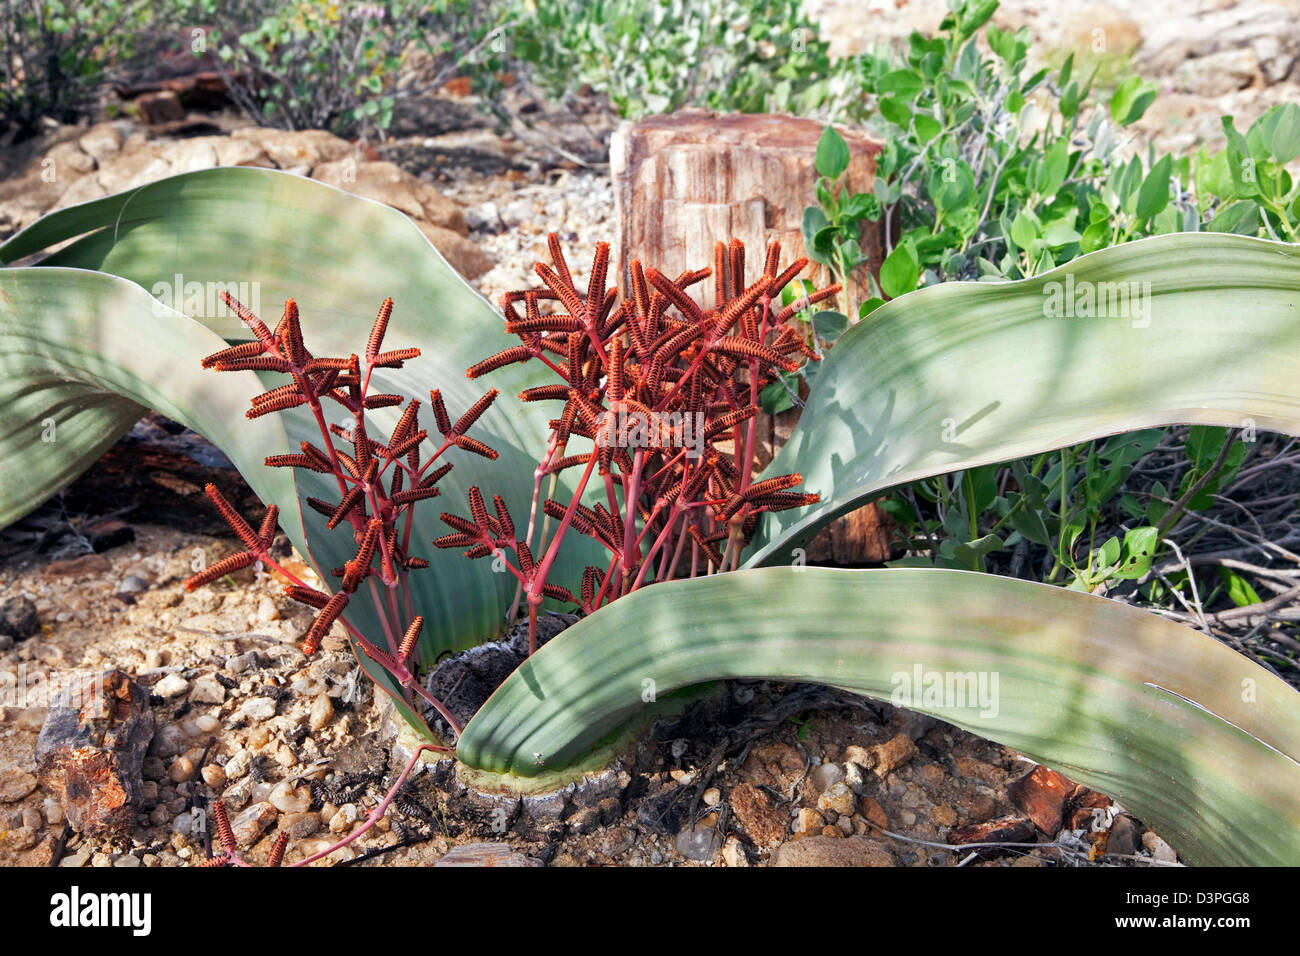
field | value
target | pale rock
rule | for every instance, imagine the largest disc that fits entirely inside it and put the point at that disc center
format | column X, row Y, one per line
column 1218, row 73
column 172, row 685
column 297, row 148
column 189, row 155
column 826, row 775
column 267, row 611
column 288, row 799
column 69, row 157
column 132, row 169
column 1158, row 848
column 214, row 776
column 838, row 797
column 101, row 142
column 181, row 770
column 15, row 784
column 239, row 152
column 207, row 690
column 833, row 851
column 207, row 723
column 485, row 854
column 258, row 708
column 733, row 853
column 808, row 821
column 344, row 818
column 238, row 764
column 251, row 822
column 322, row 710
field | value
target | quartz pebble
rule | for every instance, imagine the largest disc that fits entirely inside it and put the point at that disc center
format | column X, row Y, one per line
column 173, row 685
column 322, row 710
column 288, row 799
column 258, row 708
column 251, row 822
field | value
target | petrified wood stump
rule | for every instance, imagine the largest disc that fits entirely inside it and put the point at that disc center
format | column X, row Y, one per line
column 685, row 180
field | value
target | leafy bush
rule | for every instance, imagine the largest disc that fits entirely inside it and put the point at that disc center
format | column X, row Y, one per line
column 656, row 56
column 52, row 53
column 989, row 173
column 310, row 64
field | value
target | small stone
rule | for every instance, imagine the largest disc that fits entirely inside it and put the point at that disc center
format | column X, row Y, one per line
column 874, row 813
column 131, row 585
column 485, row 854
column 860, row 756
column 213, row 775
column 699, row 842
column 833, row 851
column 237, row 796
column 322, row 710
column 854, row 778
column 267, row 611
column 808, row 821
column 733, row 852
column 80, row 858
column 839, row 798
column 18, row 618
column 757, row 816
column 85, row 564
column 238, row 764
column 1123, row 839
column 23, row 838
column 1042, row 795
column 182, row 769
column 169, row 741
column 826, row 775
column 712, row 797
column 206, row 723
column 15, row 784
column 207, row 690
column 258, row 708
column 101, row 141
column 300, row 825
column 1158, row 848
column 944, row 815
column 892, row 754
column 288, row 799
column 345, row 818
column 250, row 823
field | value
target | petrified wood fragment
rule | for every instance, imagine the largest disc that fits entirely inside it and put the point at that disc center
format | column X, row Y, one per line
column 91, row 750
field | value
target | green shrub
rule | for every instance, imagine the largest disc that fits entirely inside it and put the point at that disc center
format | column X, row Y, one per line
column 52, row 54
column 656, row 57
column 316, row 64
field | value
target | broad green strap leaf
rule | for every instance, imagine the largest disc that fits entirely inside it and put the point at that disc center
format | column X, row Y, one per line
column 1190, row 736
column 82, row 356
column 1195, row 328
column 268, row 236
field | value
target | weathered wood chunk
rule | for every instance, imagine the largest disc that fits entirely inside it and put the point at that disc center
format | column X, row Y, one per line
column 91, row 751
